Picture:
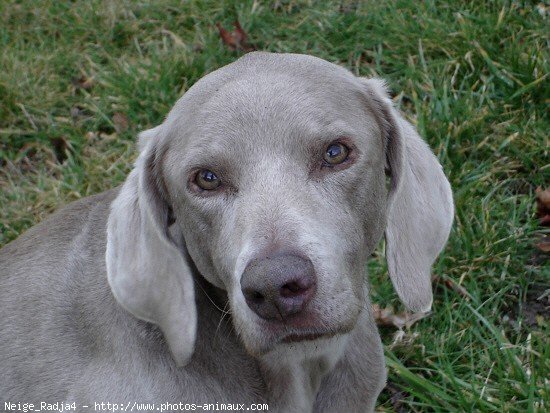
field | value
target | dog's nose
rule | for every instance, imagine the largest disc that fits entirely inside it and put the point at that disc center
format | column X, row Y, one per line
column 279, row 286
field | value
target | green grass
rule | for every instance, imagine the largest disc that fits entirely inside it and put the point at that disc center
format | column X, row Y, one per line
column 472, row 75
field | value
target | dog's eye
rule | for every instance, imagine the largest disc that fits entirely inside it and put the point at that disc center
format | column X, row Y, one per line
column 207, row 180
column 336, row 153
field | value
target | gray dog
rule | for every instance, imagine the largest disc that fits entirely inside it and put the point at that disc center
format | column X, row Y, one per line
column 229, row 269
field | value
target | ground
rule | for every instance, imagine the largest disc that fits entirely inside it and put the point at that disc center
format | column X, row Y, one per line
column 79, row 79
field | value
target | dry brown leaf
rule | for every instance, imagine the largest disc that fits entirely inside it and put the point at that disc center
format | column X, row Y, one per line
column 61, row 148
column 387, row 317
column 543, row 214
column 235, row 40
column 543, row 205
column 120, row 120
column 447, row 282
column 397, row 397
column 83, row 82
column 227, row 37
column 544, row 245
column 75, row 112
column 239, row 34
column 32, row 154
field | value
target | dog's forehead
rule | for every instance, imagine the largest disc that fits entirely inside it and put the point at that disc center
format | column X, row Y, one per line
column 305, row 69
column 265, row 94
column 263, row 81
column 272, row 102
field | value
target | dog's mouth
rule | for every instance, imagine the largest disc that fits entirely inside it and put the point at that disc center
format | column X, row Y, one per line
column 306, row 329
column 271, row 340
column 303, row 329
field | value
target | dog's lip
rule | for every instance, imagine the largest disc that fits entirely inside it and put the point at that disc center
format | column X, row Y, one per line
column 300, row 329
column 298, row 337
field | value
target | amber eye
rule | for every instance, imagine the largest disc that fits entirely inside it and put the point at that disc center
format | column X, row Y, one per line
column 207, row 180
column 336, row 153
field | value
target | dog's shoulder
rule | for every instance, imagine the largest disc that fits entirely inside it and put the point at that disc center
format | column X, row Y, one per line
column 43, row 245
column 48, row 278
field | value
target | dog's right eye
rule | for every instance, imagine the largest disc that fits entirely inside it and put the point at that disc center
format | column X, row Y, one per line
column 335, row 154
column 207, row 180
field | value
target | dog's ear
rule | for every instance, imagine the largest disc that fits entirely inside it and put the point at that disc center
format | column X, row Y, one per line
column 420, row 203
column 148, row 273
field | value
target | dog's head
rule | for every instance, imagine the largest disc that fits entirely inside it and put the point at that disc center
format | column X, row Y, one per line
column 271, row 175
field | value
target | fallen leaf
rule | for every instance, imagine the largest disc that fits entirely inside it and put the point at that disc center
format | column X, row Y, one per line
column 543, row 205
column 227, row 37
column 175, row 38
column 120, row 120
column 33, row 154
column 239, row 34
column 83, row 82
column 77, row 113
column 543, row 214
column 397, row 397
column 387, row 317
column 108, row 136
column 61, row 148
column 91, row 136
column 235, row 40
column 544, row 245
column 447, row 282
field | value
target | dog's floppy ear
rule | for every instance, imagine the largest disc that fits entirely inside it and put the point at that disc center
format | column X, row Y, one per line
column 420, row 203
column 148, row 274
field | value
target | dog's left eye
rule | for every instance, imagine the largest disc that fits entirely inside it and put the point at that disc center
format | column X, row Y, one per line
column 336, row 153
column 207, row 180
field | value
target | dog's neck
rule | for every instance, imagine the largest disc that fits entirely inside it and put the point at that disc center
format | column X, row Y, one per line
column 294, row 379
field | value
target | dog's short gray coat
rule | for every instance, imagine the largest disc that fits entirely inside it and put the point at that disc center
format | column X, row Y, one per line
column 134, row 294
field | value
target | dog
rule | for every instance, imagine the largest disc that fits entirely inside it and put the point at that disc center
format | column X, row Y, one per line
column 230, row 267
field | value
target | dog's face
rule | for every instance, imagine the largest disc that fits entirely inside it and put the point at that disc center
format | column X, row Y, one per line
column 285, row 166
column 271, row 172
